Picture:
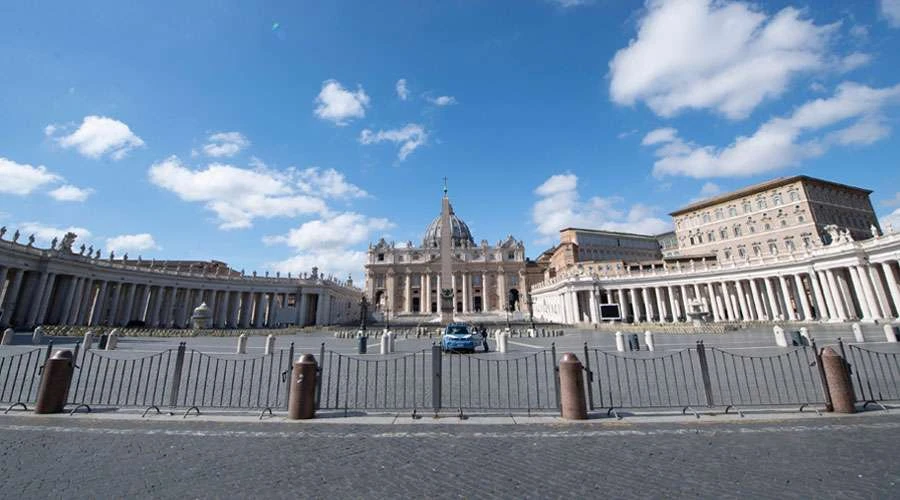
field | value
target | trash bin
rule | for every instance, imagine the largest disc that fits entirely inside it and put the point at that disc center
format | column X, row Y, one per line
column 362, row 344
column 103, row 339
column 633, row 343
column 797, row 339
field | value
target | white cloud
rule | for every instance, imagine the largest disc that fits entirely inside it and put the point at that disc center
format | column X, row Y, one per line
column 444, row 100
column 43, row 233
column 236, row 195
column 853, row 61
column 49, row 130
column 339, row 105
column 22, row 179
column 890, row 9
column 560, row 206
column 69, row 192
column 402, row 91
column 659, row 135
column 131, row 242
column 570, row 3
column 328, row 183
column 721, row 55
column 890, row 221
column 409, row 137
column 339, row 231
column 780, row 142
column 326, row 243
column 341, row 263
column 710, row 189
column 225, row 144
column 99, row 135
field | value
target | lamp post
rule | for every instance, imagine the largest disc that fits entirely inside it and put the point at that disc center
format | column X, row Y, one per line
column 531, row 310
column 363, row 313
column 387, row 318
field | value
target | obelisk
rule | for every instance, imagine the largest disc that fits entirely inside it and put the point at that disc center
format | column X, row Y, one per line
column 446, row 292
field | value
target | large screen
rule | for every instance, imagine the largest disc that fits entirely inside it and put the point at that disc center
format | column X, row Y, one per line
column 610, row 311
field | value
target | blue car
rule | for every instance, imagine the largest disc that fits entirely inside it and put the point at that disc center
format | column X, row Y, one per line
column 457, row 337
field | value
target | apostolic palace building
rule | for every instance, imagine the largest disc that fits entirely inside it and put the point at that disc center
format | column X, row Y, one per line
column 64, row 286
column 793, row 249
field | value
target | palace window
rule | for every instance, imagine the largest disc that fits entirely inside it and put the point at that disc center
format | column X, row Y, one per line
column 737, row 231
column 800, row 219
column 711, row 236
column 748, row 207
column 795, row 196
column 776, row 199
column 789, row 244
column 767, row 226
column 783, row 222
column 807, row 240
column 742, row 252
column 706, row 217
column 723, row 233
column 727, row 253
column 757, row 249
column 773, row 247
column 732, row 211
column 719, row 214
column 381, row 257
column 761, row 203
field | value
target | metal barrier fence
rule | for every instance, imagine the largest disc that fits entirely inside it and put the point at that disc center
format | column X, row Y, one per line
column 431, row 379
column 875, row 374
column 20, row 373
column 181, row 377
column 703, row 377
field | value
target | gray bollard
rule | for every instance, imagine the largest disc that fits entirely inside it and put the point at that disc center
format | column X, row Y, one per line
column 620, row 342
column 857, row 332
column 38, row 335
column 8, row 336
column 385, row 343
column 648, row 339
column 780, row 339
column 391, row 342
column 88, row 341
column 242, row 344
column 502, row 339
column 804, row 332
column 891, row 333
column 270, row 344
column 112, row 340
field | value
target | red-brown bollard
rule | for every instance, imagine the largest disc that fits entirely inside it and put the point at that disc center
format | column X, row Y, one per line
column 55, row 383
column 571, row 388
column 838, row 378
column 302, row 402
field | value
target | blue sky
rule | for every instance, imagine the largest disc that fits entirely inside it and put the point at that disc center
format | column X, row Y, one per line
column 281, row 136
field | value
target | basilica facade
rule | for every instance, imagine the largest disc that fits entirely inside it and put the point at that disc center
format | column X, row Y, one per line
column 405, row 279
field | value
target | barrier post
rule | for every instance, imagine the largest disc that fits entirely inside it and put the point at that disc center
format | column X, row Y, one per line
column 55, row 383
column 302, row 400
column 839, row 386
column 573, row 405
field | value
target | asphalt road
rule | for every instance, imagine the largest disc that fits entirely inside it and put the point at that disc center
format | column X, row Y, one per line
column 820, row 457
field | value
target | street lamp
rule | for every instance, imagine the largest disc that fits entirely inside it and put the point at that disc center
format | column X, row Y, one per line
column 363, row 313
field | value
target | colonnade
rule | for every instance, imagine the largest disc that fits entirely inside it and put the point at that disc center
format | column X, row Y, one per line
column 860, row 282
column 49, row 287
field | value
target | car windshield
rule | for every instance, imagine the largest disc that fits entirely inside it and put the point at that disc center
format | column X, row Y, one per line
column 457, row 330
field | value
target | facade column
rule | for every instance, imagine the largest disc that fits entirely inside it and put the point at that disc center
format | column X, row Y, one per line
column 713, row 303
column 391, row 292
column 823, row 306
column 635, row 312
column 891, row 279
column 660, row 304
column 742, row 301
column 247, row 308
column 97, row 304
column 3, row 273
column 595, row 311
column 869, row 292
column 860, row 294
column 37, row 297
column 786, row 294
column 45, row 299
column 501, row 291
column 648, row 307
column 222, row 313
column 673, row 301
column 464, row 277
column 804, row 301
column 407, row 298
column 144, row 304
column 260, row 314
column 129, row 303
column 726, row 296
column 485, row 293
column 757, row 301
column 11, row 299
column 774, row 312
column 881, row 295
column 835, row 292
column 426, row 295
column 683, row 303
column 70, row 299
column 156, row 299
column 113, row 318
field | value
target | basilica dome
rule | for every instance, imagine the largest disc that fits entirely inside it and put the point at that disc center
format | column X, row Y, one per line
column 459, row 233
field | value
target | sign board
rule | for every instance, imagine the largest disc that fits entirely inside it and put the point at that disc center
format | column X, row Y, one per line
column 610, row 312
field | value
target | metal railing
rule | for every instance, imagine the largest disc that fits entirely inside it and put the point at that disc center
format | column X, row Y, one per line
column 375, row 382
column 181, row 377
column 20, row 373
column 703, row 377
column 875, row 372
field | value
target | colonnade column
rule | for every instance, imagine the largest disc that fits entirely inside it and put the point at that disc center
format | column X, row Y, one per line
column 824, row 306
column 425, row 306
column 37, row 296
column 673, row 305
column 45, row 299
column 407, row 290
column 635, row 312
column 12, row 297
column 835, row 293
column 713, row 303
column 868, row 292
column 860, row 294
column 892, row 286
column 726, row 297
column 804, row 301
column 660, row 304
column 742, row 301
column 129, row 304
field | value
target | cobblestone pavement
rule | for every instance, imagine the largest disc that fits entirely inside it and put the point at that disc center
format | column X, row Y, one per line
column 820, row 457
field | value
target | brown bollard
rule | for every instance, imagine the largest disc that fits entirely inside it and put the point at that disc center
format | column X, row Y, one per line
column 55, row 383
column 571, row 388
column 838, row 377
column 302, row 402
